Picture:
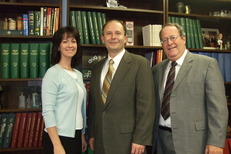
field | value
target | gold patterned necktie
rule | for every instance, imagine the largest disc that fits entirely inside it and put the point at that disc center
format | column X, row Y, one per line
column 165, row 112
column 107, row 81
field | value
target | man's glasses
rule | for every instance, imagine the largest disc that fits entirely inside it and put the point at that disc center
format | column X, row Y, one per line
column 172, row 38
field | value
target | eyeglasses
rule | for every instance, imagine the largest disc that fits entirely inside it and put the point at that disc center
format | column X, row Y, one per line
column 172, row 38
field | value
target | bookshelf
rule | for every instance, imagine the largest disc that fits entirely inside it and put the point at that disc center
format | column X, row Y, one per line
column 11, row 88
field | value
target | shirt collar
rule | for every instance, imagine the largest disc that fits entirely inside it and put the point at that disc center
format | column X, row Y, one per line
column 180, row 60
column 117, row 58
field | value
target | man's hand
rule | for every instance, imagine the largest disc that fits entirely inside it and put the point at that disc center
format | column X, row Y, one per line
column 210, row 149
column 137, row 149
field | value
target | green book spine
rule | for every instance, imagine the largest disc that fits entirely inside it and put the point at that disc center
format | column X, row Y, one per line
column 198, row 26
column 182, row 23
column 95, row 27
column 79, row 25
column 192, row 34
column 72, row 19
column 173, row 19
column 44, row 52
column 8, row 131
column 85, row 27
column 100, row 24
column 196, row 37
column 14, row 60
column 33, row 60
column 188, row 36
column 24, row 60
column 91, row 28
column 5, row 60
column 37, row 23
column 103, row 18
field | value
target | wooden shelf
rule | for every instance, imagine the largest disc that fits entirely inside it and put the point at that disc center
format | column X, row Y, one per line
column 21, row 80
column 200, row 16
column 98, row 8
column 21, row 149
column 20, row 110
column 29, row 4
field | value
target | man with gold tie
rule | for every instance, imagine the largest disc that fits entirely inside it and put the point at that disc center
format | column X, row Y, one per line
column 121, row 108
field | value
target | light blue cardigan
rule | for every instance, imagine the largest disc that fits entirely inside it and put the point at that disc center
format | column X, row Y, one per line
column 59, row 100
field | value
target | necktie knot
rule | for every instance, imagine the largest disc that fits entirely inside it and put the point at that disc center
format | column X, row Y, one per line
column 173, row 64
column 111, row 62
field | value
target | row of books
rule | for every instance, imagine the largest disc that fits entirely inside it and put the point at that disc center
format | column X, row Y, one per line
column 150, row 35
column 42, row 23
column 89, row 25
column 192, row 29
column 24, row 60
column 154, row 57
column 224, row 61
column 21, row 130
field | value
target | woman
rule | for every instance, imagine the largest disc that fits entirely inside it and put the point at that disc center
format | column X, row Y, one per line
column 64, row 96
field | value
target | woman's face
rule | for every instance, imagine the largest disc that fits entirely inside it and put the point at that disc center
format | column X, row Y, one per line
column 68, row 47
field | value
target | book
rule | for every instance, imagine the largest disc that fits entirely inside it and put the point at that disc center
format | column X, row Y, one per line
column 33, row 60
column 227, row 67
column 32, row 130
column 100, row 24
column 31, row 22
column 3, row 124
column 36, row 131
column 91, row 28
column 199, row 33
column 96, row 28
column 221, row 63
column 24, row 60
column 27, row 129
column 14, row 60
column 37, row 20
column 41, row 20
column 52, row 23
column 85, row 27
column 48, row 23
column 130, row 32
column 8, row 131
column 15, row 131
column 192, row 33
column 25, row 19
column 188, row 33
column 21, row 131
column 11, row 32
column 5, row 60
column 44, row 53
column 56, row 20
column 72, row 19
column 147, row 35
column 41, row 129
column 44, row 20
column 79, row 25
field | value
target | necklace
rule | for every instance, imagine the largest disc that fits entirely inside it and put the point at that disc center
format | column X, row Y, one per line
column 67, row 68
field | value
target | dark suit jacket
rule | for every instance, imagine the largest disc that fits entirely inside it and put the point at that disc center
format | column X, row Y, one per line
column 128, row 114
column 198, row 105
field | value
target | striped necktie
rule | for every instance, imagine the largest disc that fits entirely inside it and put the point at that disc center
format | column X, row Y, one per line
column 107, row 81
column 165, row 112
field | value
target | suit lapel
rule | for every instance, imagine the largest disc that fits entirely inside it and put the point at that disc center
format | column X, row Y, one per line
column 161, row 78
column 97, row 76
column 123, row 67
column 184, row 69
